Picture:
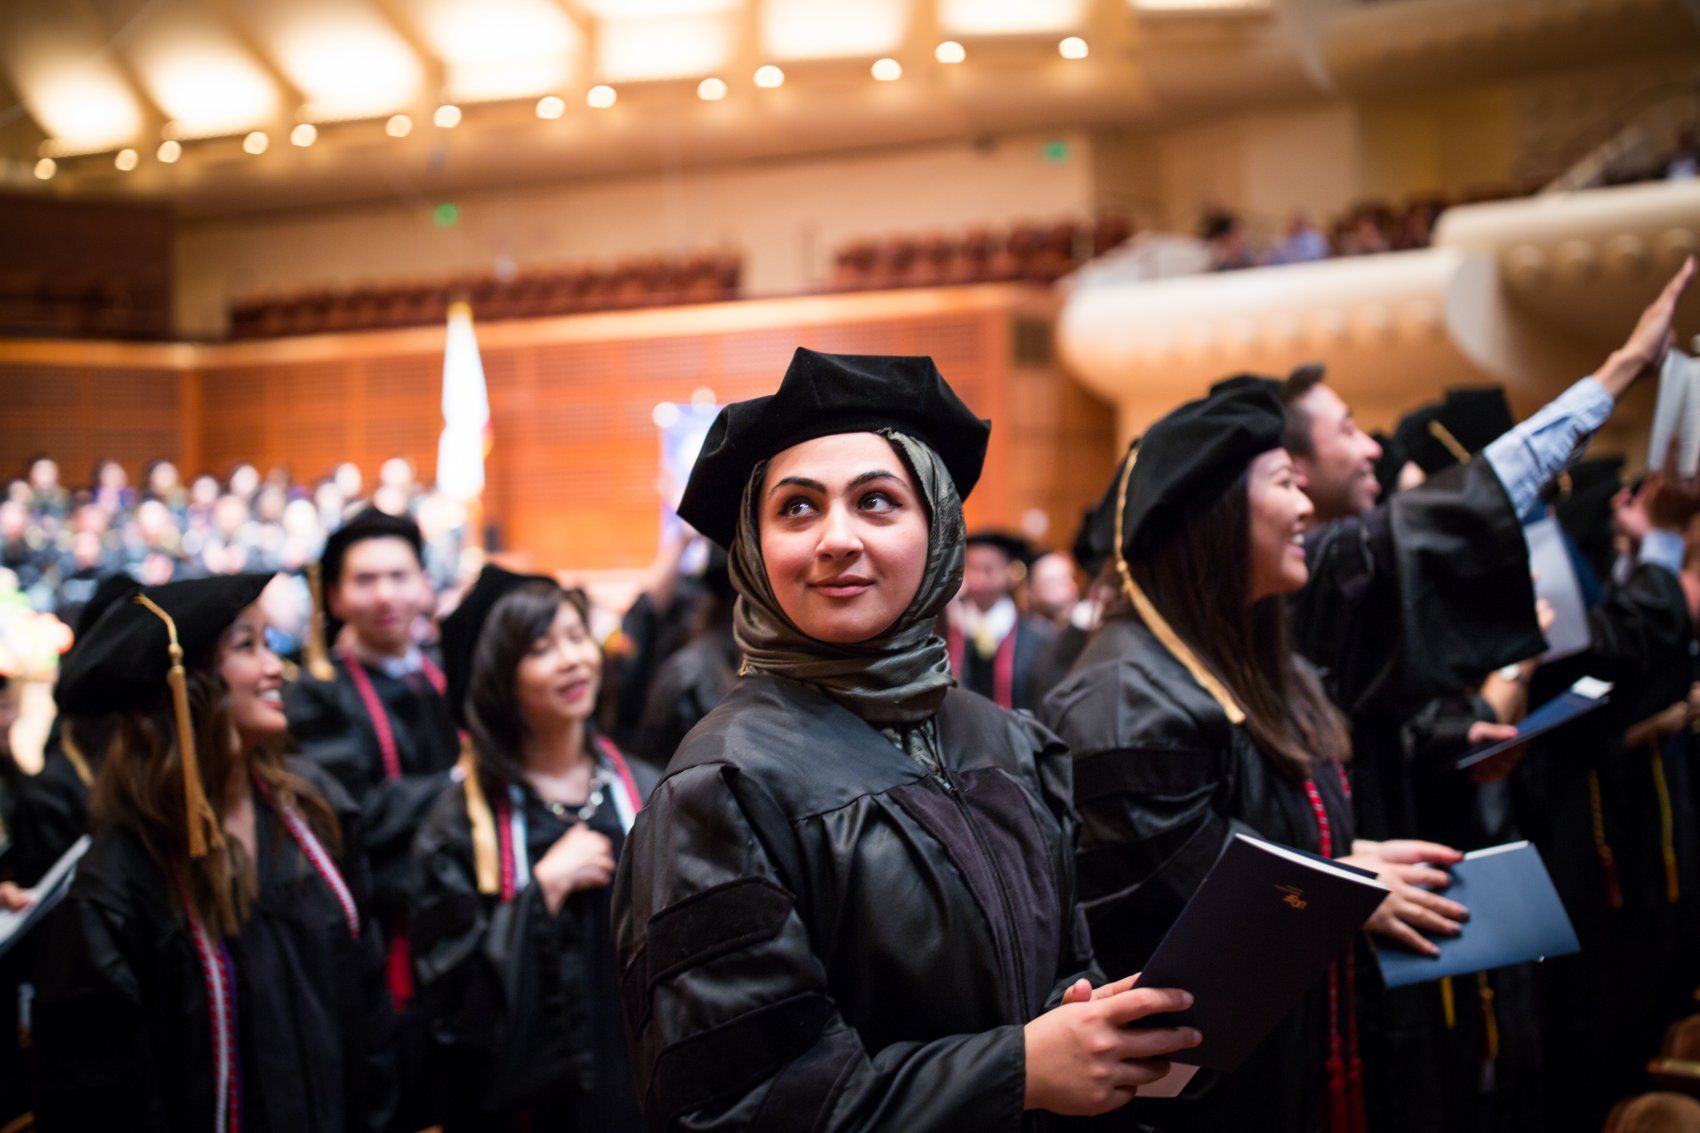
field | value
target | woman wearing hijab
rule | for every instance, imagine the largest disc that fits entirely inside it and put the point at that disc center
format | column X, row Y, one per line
column 513, row 945
column 850, row 902
column 1191, row 719
column 211, row 967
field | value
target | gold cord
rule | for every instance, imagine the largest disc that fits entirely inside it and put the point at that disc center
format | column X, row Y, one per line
column 1444, row 435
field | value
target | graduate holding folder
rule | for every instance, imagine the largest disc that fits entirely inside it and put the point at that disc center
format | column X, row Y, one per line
column 1191, row 719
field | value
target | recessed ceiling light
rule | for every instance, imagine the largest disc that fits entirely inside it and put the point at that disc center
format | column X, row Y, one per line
column 551, row 107
column 45, row 169
column 256, row 143
column 711, row 89
column 769, row 77
column 950, row 51
column 399, row 126
column 887, row 70
column 170, row 150
column 1073, row 48
column 447, row 116
column 126, row 160
column 304, row 135
column 600, row 97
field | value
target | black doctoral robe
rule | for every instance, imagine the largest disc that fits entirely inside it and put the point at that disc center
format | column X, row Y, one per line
column 818, row 933
column 687, row 687
column 329, row 722
column 1417, row 599
column 53, row 804
column 122, row 1035
column 1162, row 781
column 523, row 1004
column 1593, row 809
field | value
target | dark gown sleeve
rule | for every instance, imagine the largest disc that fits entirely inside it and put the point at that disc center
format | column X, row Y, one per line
column 488, row 973
column 95, row 1067
column 328, row 731
column 378, row 1072
column 1641, row 633
column 727, row 1006
column 52, row 813
column 1421, row 597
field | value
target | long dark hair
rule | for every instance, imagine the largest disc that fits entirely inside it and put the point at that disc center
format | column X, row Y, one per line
column 493, row 716
column 1246, row 647
column 140, row 788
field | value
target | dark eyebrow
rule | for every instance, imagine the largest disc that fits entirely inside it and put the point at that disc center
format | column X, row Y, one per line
column 870, row 477
column 799, row 482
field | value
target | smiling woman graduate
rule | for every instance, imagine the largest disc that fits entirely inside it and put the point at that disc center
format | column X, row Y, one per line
column 850, row 902
column 514, row 947
column 211, row 967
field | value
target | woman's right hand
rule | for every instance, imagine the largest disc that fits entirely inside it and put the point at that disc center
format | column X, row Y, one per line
column 1409, row 906
column 1086, row 1058
column 580, row 859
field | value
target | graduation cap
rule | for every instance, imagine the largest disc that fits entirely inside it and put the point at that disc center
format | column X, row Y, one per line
column 1438, row 436
column 462, row 628
column 1014, row 547
column 822, row 395
column 138, row 652
column 367, row 523
column 111, row 589
column 1193, row 454
column 1095, row 541
column 1582, row 502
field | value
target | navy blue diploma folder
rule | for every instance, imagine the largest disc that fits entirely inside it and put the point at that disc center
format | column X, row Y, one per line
column 1515, row 917
column 1261, row 929
column 1579, row 699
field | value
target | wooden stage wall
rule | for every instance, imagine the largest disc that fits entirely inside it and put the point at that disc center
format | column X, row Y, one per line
column 572, row 476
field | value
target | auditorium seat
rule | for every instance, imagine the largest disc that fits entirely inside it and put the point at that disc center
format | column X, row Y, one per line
column 1678, row 1065
column 1654, row 1113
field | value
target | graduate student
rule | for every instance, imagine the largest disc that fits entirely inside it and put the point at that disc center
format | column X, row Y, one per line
column 993, row 645
column 1190, row 718
column 850, row 902
column 376, row 717
column 211, row 967
column 513, row 942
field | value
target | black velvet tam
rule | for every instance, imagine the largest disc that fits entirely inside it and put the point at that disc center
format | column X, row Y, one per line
column 1472, row 417
column 1014, row 547
column 1189, row 457
column 822, row 395
column 121, row 664
column 461, row 629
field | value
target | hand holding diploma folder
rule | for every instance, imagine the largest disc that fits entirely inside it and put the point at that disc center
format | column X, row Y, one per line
column 1260, row 931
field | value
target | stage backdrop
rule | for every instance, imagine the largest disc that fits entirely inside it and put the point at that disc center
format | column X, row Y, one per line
column 572, row 476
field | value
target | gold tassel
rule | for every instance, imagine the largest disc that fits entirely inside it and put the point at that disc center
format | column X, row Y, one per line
column 1602, row 848
column 486, row 853
column 1444, row 435
column 1667, row 826
column 1155, row 621
column 198, row 812
column 74, row 755
column 313, row 650
column 1448, row 1005
column 1490, row 1018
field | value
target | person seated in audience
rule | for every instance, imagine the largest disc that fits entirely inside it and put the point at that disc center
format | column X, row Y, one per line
column 513, row 941
column 992, row 645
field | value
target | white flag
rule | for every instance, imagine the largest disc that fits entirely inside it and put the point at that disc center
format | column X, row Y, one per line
column 466, row 411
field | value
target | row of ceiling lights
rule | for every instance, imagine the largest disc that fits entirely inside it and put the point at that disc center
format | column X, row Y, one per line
column 599, row 97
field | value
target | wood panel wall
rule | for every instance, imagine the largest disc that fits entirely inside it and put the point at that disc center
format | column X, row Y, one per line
column 575, row 460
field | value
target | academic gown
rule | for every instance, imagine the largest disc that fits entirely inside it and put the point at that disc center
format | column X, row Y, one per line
column 1033, row 638
column 524, row 1005
column 1419, row 598
column 330, row 724
column 687, row 687
column 1162, row 781
column 817, row 932
column 1592, row 809
column 123, row 1038
column 53, row 804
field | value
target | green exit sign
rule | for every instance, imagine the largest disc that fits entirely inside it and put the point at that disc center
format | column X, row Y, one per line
column 1057, row 151
column 446, row 215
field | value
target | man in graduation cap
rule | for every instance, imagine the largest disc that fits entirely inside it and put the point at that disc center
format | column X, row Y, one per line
column 374, row 715
column 993, row 645
column 1423, row 595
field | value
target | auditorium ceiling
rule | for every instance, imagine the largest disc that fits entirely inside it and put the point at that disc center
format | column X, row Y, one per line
column 229, row 106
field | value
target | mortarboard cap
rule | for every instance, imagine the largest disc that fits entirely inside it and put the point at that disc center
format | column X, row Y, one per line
column 462, row 628
column 822, row 395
